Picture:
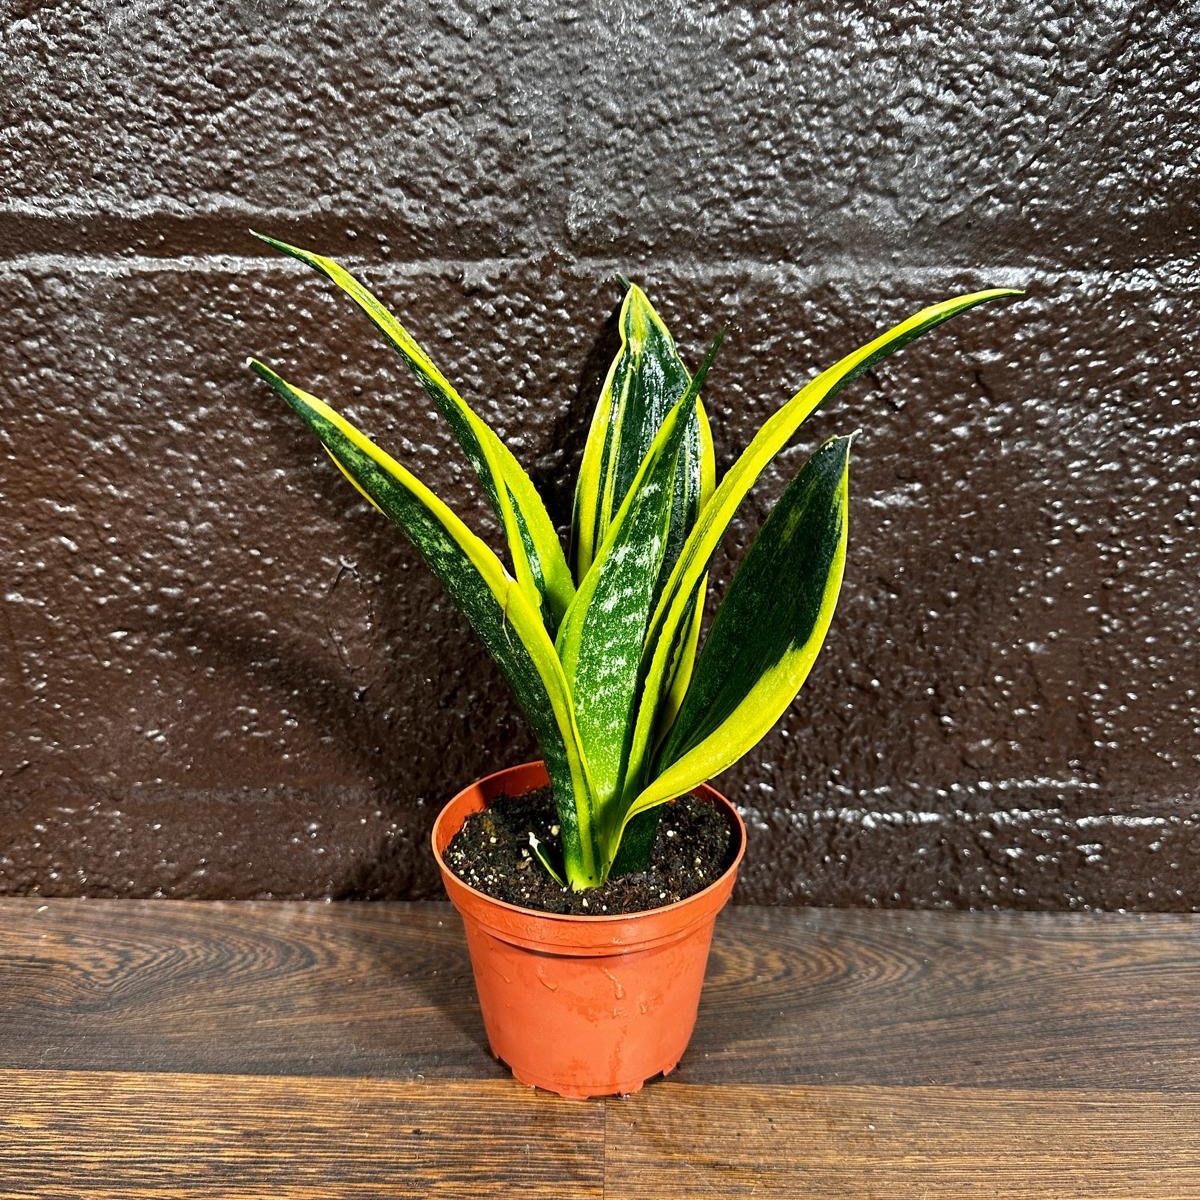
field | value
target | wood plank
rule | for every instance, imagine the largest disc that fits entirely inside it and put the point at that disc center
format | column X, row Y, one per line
column 1040, row 1000
column 798, row 996
column 84, row 1135
column 248, row 988
column 678, row 1142
column 95, row 1134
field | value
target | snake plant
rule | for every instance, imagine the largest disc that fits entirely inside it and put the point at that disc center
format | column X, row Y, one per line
column 600, row 650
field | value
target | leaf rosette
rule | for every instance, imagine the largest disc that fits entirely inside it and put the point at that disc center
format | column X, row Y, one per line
column 600, row 648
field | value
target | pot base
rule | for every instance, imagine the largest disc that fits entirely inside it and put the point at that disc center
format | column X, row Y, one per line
column 548, row 1085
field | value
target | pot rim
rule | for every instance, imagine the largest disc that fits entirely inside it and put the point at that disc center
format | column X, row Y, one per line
column 705, row 790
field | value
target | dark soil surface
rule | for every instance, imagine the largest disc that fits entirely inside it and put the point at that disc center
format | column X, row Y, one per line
column 491, row 853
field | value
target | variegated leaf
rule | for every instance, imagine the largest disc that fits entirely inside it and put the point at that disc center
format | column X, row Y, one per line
column 768, row 630
column 600, row 639
column 677, row 600
column 501, row 613
column 645, row 381
column 538, row 559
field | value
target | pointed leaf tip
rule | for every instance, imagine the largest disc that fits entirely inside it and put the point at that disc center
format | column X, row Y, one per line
column 264, row 237
column 702, row 369
column 285, row 247
column 536, row 845
column 262, row 370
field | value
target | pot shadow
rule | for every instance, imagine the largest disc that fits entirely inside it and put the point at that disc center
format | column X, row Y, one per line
column 462, row 1011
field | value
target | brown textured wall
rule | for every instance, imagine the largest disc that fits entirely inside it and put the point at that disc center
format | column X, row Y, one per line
column 221, row 675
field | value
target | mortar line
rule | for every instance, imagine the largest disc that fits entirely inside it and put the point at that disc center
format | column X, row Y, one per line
column 832, row 270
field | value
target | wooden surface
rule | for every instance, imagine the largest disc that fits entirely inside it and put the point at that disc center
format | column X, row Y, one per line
column 334, row 1050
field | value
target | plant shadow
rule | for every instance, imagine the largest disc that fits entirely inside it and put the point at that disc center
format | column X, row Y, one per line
column 554, row 470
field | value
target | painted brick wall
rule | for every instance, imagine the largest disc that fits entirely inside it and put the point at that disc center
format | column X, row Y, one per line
column 222, row 676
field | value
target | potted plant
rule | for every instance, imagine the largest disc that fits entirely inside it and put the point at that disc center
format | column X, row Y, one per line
column 599, row 650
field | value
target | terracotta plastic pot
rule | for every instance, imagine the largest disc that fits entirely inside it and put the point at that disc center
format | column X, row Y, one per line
column 584, row 1006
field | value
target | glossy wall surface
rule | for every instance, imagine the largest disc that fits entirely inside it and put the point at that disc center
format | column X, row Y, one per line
column 221, row 675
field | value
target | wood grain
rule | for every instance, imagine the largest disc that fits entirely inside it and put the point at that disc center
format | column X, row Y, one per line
column 794, row 996
column 90, row 1135
column 1037, row 1000
column 80, row 1135
column 678, row 1142
column 287, row 989
column 321, row 1051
